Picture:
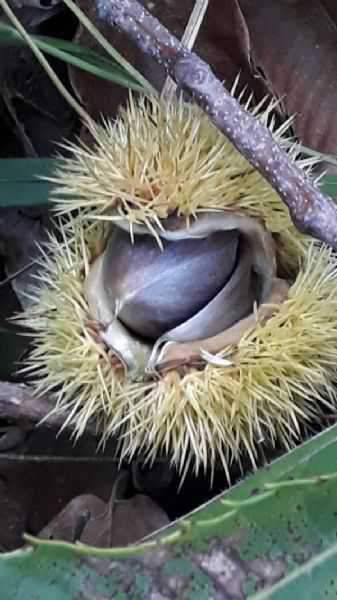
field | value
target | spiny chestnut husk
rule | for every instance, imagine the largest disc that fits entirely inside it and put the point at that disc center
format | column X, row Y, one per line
column 178, row 306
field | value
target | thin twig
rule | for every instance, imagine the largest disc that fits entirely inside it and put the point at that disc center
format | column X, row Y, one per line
column 310, row 210
column 10, row 278
column 24, row 409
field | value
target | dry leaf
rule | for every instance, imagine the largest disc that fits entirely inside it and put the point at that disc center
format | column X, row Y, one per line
column 88, row 519
column 295, row 44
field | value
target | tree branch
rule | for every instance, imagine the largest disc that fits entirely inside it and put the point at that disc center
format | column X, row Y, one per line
column 19, row 404
column 311, row 211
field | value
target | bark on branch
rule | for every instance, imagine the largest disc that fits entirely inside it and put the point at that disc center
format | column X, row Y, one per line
column 311, row 211
column 19, row 404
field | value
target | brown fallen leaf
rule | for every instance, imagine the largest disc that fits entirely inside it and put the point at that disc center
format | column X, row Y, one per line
column 94, row 522
column 294, row 42
column 69, row 524
column 228, row 47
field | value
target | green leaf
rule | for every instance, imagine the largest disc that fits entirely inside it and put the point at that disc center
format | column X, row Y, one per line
column 279, row 523
column 329, row 185
column 315, row 579
column 75, row 55
column 20, row 183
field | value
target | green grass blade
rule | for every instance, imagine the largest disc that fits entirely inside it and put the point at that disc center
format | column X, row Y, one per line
column 75, row 55
column 20, row 183
column 110, row 50
column 329, row 185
